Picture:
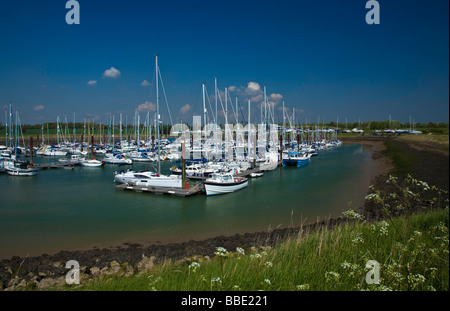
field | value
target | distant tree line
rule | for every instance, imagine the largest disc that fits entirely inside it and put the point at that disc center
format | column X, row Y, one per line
column 430, row 127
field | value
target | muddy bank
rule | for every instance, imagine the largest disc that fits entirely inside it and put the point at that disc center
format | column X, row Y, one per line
column 399, row 157
column 48, row 270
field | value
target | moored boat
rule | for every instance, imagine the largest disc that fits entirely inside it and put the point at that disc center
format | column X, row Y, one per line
column 91, row 163
column 221, row 183
column 157, row 180
column 257, row 174
column 116, row 159
column 296, row 159
column 21, row 169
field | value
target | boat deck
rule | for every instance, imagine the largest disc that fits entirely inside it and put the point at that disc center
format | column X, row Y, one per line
column 242, row 174
column 161, row 190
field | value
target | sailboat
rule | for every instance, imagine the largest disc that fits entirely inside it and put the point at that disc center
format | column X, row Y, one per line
column 14, row 166
column 92, row 162
column 156, row 179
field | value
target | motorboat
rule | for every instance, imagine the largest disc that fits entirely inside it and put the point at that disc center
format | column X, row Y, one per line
column 256, row 174
column 296, row 159
column 221, row 183
column 75, row 159
column 21, row 169
column 92, row 163
column 158, row 181
column 116, row 159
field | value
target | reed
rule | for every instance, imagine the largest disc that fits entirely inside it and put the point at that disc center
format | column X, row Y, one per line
column 417, row 258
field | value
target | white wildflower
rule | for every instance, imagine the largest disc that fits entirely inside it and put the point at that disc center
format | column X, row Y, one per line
column 194, row 266
column 358, row 239
column 240, row 251
column 220, row 251
column 351, row 214
column 416, row 280
column 268, row 264
column 216, row 280
column 332, row 276
column 346, row 265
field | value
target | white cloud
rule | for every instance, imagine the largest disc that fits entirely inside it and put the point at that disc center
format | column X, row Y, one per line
column 232, row 88
column 92, row 82
column 147, row 106
column 276, row 97
column 111, row 73
column 185, row 108
column 257, row 98
column 253, row 87
column 145, row 83
column 38, row 107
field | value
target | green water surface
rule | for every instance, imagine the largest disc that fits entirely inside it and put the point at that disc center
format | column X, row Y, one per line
column 63, row 209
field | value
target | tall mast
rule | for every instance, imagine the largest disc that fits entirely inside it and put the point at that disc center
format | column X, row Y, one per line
column 157, row 116
column 121, row 130
column 249, row 135
column 6, row 128
column 226, row 106
column 10, row 126
column 237, row 113
column 74, row 127
column 216, row 121
column 113, row 131
column 204, row 105
column 57, row 129
column 284, row 121
column 215, row 96
column 265, row 106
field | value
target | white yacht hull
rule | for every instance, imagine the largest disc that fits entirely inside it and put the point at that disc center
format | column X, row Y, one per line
column 268, row 166
column 91, row 163
column 217, row 188
column 21, row 172
column 161, row 181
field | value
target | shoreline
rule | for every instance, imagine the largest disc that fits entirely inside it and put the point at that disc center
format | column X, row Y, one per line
column 52, row 266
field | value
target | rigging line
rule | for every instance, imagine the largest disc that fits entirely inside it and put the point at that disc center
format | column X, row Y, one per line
column 209, row 102
column 221, row 104
column 21, row 132
column 243, row 117
column 231, row 104
column 164, row 92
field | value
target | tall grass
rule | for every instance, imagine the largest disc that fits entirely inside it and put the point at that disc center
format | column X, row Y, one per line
column 414, row 258
column 410, row 246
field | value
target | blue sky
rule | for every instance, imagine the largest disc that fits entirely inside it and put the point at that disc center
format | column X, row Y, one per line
column 320, row 57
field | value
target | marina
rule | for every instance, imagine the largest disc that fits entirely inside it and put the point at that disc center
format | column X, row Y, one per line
column 193, row 182
column 83, row 207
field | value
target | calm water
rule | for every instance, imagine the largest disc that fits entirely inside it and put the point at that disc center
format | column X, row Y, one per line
column 79, row 209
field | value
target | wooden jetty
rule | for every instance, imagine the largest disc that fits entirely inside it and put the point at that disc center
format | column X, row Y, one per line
column 161, row 190
column 56, row 165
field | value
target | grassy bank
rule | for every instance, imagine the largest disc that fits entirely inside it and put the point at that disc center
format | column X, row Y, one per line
column 407, row 238
column 413, row 254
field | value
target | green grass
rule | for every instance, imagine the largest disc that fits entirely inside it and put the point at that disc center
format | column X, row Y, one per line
column 402, row 161
column 436, row 142
column 413, row 253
